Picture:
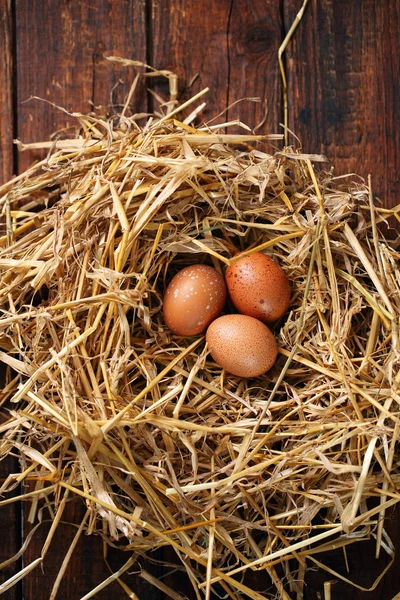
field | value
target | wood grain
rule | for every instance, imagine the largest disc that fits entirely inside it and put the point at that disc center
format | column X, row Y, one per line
column 344, row 102
column 192, row 41
column 343, row 66
column 61, row 49
column 254, row 36
column 6, row 91
column 10, row 533
column 229, row 46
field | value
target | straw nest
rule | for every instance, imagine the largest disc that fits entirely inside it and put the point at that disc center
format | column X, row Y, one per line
column 105, row 403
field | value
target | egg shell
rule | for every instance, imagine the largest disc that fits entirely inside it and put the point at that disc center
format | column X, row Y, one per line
column 258, row 287
column 242, row 345
column 194, row 298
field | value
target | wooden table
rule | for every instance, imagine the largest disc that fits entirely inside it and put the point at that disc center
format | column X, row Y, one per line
column 344, row 101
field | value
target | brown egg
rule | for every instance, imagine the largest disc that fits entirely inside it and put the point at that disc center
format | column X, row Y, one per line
column 242, row 345
column 194, row 298
column 258, row 287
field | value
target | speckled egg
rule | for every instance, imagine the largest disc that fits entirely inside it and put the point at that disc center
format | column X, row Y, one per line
column 194, row 298
column 242, row 345
column 258, row 287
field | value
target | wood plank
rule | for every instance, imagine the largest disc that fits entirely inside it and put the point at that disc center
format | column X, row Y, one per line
column 10, row 531
column 229, row 46
column 65, row 63
column 254, row 37
column 6, row 91
column 343, row 74
column 10, row 515
column 192, row 42
column 343, row 102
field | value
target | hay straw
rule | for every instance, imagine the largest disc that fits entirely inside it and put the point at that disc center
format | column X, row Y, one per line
column 106, row 405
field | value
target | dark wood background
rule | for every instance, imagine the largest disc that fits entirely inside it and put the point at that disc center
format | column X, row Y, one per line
column 344, row 101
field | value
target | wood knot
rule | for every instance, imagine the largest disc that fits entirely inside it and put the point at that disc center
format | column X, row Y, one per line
column 257, row 40
column 98, row 52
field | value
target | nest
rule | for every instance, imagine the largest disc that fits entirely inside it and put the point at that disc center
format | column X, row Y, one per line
column 166, row 449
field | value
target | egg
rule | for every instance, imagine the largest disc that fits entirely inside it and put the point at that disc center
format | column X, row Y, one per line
column 194, row 298
column 258, row 287
column 242, row 345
